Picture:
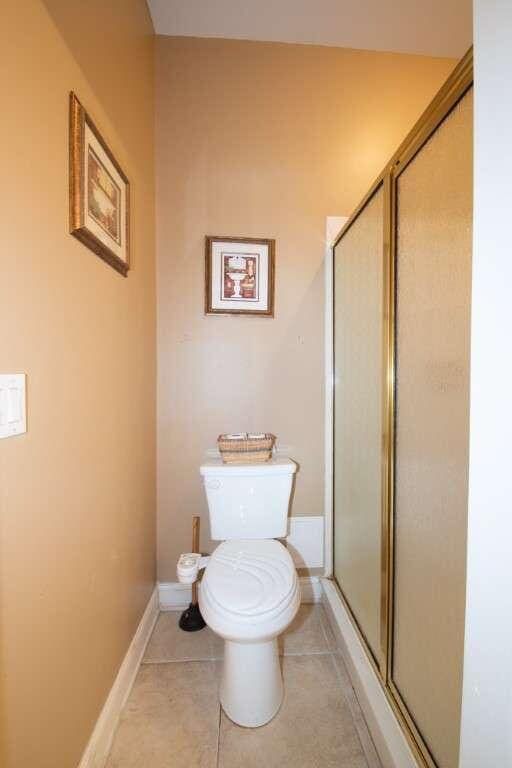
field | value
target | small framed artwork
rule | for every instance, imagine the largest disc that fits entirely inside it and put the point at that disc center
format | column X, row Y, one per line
column 99, row 192
column 239, row 276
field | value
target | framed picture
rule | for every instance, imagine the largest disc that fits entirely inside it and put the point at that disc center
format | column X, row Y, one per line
column 99, row 192
column 239, row 276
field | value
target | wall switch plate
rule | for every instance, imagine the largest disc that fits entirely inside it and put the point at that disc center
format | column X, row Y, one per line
column 13, row 414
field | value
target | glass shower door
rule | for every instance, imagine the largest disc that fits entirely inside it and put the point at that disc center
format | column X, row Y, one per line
column 432, row 333
column 358, row 351
column 402, row 292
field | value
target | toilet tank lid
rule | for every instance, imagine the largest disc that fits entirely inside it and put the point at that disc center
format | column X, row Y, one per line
column 276, row 466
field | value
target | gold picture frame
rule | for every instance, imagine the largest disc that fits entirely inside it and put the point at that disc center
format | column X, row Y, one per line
column 239, row 276
column 99, row 192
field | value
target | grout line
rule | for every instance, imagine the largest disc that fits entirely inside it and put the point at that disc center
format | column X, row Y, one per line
column 322, row 624
column 176, row 661
column 348, row 699
column 219, row 658
column 218, row 736
column 360, row 724
column 367, row 744
column 307, row 653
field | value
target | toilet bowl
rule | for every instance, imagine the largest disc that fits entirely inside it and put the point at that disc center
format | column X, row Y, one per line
column 250, row 592
column 249, row 595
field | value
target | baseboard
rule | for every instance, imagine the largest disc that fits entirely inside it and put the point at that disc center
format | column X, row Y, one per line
column 173, row 596
column 389, row 739
column 98, row 748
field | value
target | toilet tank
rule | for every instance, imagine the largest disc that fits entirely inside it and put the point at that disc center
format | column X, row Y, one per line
column 248, row 501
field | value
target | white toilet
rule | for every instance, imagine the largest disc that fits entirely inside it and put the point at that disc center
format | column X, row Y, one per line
column 250, row 592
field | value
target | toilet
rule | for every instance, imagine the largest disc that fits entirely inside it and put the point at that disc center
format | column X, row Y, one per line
column 250, row 592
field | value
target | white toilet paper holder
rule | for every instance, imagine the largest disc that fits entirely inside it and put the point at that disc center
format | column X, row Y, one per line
column 189, row 565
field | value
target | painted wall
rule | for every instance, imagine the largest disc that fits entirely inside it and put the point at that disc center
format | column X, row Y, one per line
column 77, row 492
column 486, row 736
column 259, row 139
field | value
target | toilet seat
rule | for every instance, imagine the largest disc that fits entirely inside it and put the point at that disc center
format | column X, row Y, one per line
column 249, row 577
column 249, row 589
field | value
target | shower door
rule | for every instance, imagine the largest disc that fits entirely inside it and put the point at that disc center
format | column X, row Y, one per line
column 431, row 449
column 358, row 349
column 402, row 291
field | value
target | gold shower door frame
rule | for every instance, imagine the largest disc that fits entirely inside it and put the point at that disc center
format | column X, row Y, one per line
column 459, row 82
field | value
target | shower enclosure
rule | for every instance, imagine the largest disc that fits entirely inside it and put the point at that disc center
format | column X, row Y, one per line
column 401, row 316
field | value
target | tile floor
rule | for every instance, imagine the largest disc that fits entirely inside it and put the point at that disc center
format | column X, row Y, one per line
column 172, row 718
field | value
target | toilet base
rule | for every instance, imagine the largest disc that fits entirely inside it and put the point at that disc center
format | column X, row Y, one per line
column 251, row 689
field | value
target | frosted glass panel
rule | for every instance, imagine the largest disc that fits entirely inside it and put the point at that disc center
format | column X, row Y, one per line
column 358, row 298
column 433, row 269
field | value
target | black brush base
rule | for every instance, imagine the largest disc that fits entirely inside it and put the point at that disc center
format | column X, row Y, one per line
column 191, row 619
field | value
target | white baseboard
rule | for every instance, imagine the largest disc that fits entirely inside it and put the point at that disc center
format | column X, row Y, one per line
column 98, row 748
column 388, row 737
column 173, row 596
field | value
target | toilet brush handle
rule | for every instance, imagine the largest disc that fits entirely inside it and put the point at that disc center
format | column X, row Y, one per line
column 196, row 522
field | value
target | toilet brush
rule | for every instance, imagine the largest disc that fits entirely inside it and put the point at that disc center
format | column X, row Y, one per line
column 191, row 619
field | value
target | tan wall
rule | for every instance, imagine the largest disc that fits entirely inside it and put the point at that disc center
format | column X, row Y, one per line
column 259, row 139
column 77, row 492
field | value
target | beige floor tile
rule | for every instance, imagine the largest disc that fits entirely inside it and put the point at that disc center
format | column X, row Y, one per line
column 313, row 729
column 170, row 643
column 171, row 719
column 305, row 634
column 369, row 750
column 332, row 641
column 218, row 646
column 366, row 740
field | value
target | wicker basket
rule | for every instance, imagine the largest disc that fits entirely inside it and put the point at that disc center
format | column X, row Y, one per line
column 245, row 449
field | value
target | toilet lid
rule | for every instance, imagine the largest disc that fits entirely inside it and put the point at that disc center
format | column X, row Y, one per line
column 249, row 577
